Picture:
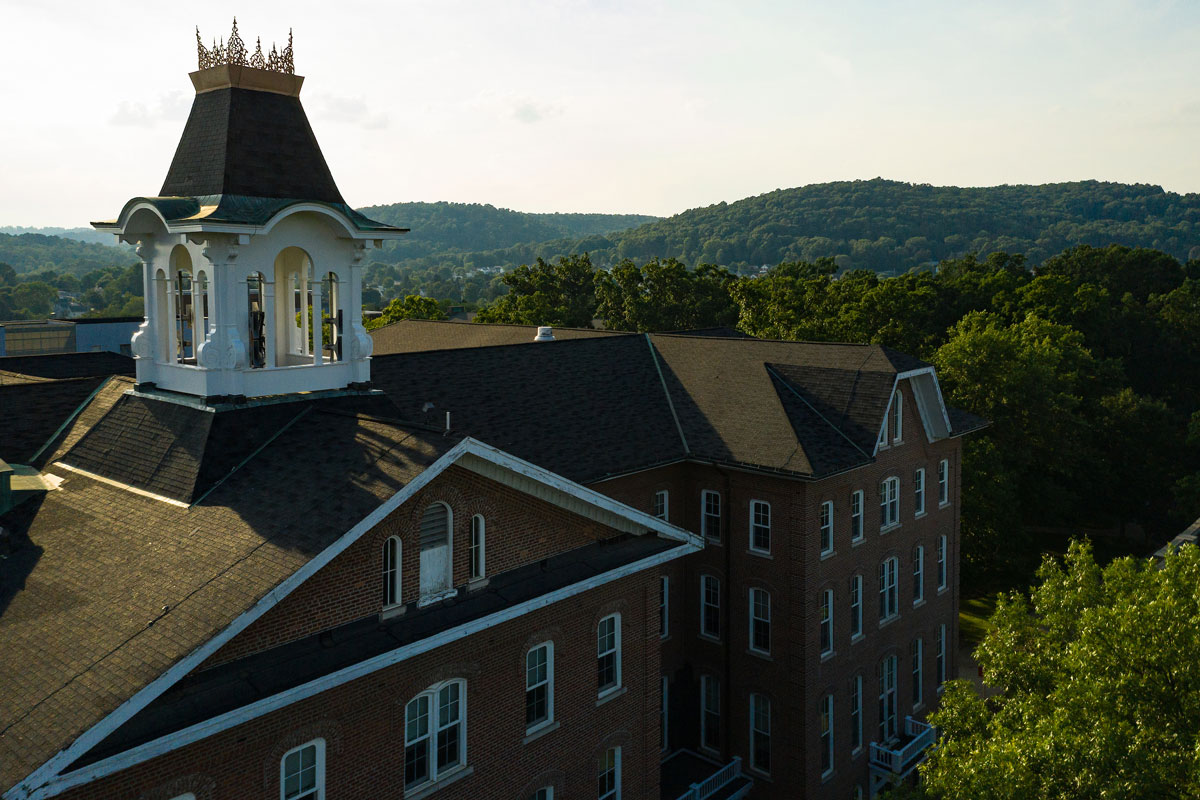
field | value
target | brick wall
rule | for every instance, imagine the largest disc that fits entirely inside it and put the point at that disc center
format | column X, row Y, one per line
column 362, row 721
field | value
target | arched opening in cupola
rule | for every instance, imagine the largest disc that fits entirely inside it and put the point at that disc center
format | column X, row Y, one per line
column 299, row 338
column 257, row 308
column 331, row 311
column 183, row 314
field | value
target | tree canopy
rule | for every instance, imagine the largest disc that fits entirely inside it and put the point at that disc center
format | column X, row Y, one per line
column 1097, row 679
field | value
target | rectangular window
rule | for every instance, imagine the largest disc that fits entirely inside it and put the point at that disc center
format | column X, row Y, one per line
column 302, row 772
column 941, row 656
column 856, row 515
column 760, row 526
column 826, row 527
column 416, row 741
column 827, row 735
column 918, row 574
column 827, row 622
column 710, row 606
column 760, row 621
column 661, row 504
column 710, row 712
column 897, row 417
column 434, row 734
column 883, row 434
column 915, row 650
column 889, row 502
column 710, row 517
column 888, row 606
column 608, row 654
column 943, row 482
column 856, row 585
column 760, row 733
column 477, row 547
column 539, row 686
column 664, row 706
column 941, row 559
column 887, row 699
column 664, row 601
column 856, row 738
column 608, row 775
column 919, row 491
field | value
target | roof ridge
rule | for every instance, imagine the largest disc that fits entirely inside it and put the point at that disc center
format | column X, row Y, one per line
column 667, row 393
column 822, row 417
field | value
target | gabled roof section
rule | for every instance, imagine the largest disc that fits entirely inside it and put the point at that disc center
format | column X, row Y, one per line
column 419, row 335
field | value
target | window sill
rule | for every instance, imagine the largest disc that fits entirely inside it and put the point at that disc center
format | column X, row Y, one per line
column 828, row 554
column 918, row 706
column 611, row 694
column 856, row 638
column 858, row 751
column 858, row 541
column 918, row 603
column 759, row 654
column 826, row 777
column 760, row 553
column 883, row 623
column 828, row 655
column 664, row 637
column 478, row 583
column 391, row 612
column 426, row 789
column 918, row 515
column 889, row 528
column 437, row 598
column 942, row 590
column 708, row 637
column 944, row 505
column 542, row 728
column 713, row 541
column 760, row 774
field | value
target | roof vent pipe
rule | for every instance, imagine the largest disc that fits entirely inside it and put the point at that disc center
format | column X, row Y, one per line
column 545, row 334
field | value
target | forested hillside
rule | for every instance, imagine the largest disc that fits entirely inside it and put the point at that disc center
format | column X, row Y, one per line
column 888, row 226
column 458, row 227
column 35, row 252
column 90, row 235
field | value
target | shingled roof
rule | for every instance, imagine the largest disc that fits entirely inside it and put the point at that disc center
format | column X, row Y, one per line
column 111, row 588
column 417, row 335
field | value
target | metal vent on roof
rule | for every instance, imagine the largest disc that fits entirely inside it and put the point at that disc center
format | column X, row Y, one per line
column 545, row 334
column 435, row 526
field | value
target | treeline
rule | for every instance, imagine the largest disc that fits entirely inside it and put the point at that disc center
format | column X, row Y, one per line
column 35, row 252
column 106, row 292
column 1087, row 366
column 886, row 226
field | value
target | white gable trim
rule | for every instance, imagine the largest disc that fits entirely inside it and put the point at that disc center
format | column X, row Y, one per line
column 930, row 405
column 231, row 719
column 45, row 774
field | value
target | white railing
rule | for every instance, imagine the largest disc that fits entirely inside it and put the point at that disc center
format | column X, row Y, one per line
column 898, row 760
column 708, row 786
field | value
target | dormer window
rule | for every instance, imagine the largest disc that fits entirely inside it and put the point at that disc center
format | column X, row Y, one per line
column 436, row 581
column 897, row 417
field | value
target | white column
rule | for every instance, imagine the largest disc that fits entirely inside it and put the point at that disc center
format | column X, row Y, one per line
column 269, row 326
column 318, row 352
column 305, row 339
column 172, row 357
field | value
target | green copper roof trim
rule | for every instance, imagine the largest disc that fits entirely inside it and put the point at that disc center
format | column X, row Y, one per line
column 232, row 209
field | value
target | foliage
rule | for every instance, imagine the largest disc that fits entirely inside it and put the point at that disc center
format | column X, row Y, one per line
column 560, row 294
column 30, row 252
column 1098, row 672
column 411, row 307
column 664, row 296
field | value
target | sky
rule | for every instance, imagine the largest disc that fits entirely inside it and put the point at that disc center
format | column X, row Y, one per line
column 611, row 106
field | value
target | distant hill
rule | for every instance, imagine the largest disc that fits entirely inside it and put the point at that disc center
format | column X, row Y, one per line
column 90, row 235
column 462, row 227
column 891, row 226
column 30, row 252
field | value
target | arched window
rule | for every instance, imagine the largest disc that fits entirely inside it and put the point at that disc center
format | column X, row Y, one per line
column 435, row 733
column 302, row 772
column 478, row 554
column 293, row 307
column 391, row 572
column 436, row 580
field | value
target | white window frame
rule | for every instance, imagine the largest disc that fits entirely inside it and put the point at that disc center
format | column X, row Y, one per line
column 898, row 417
column 664, row 712
column 548, row 682
column 707, row 608
column 434, row 728
column 318, row 768
column 856, row 607
column 889, row 606
column 918, row 575
column 610, row 762
column 826, row 623
column 856, row 515
column 941, row 657
column 544, row 793
column 662, row 505
column 706, row 496
column 478, row 550
column 760, row 510
column 916, row 651
column 758, row 729
column 827, row 734
column 393, row 572
column 615, row 651
column 889, row 503
column 882, row 441
column 664, row 606
column 941, row 563
column 888, row 729
column 757, row 621
column 944, row 483
column 707, row 684
column 856, row 726
column 919, row 492
column 827, row 528
column 447, row 590
column 185, row 796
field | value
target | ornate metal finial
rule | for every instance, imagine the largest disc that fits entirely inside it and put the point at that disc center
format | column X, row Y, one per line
column 234, row 53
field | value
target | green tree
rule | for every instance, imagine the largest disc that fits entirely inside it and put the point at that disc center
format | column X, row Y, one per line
column 1098, row 679
column 560, row 293
column 664, row 295
column 411, row 307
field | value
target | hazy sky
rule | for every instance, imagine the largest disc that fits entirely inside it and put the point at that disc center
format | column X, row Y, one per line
column 636, row 107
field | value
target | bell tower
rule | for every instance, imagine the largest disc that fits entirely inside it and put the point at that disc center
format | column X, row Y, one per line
column 251, row 260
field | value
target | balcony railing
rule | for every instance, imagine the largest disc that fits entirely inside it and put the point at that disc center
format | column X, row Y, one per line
column 900, row 761
column 710, row 785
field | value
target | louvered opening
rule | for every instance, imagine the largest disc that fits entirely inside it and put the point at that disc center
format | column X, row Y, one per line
column 435, row 527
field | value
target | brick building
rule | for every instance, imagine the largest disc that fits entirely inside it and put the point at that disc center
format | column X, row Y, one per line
column 307, row 562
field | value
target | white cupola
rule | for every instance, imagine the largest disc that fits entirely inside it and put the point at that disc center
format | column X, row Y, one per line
column 252, row 263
